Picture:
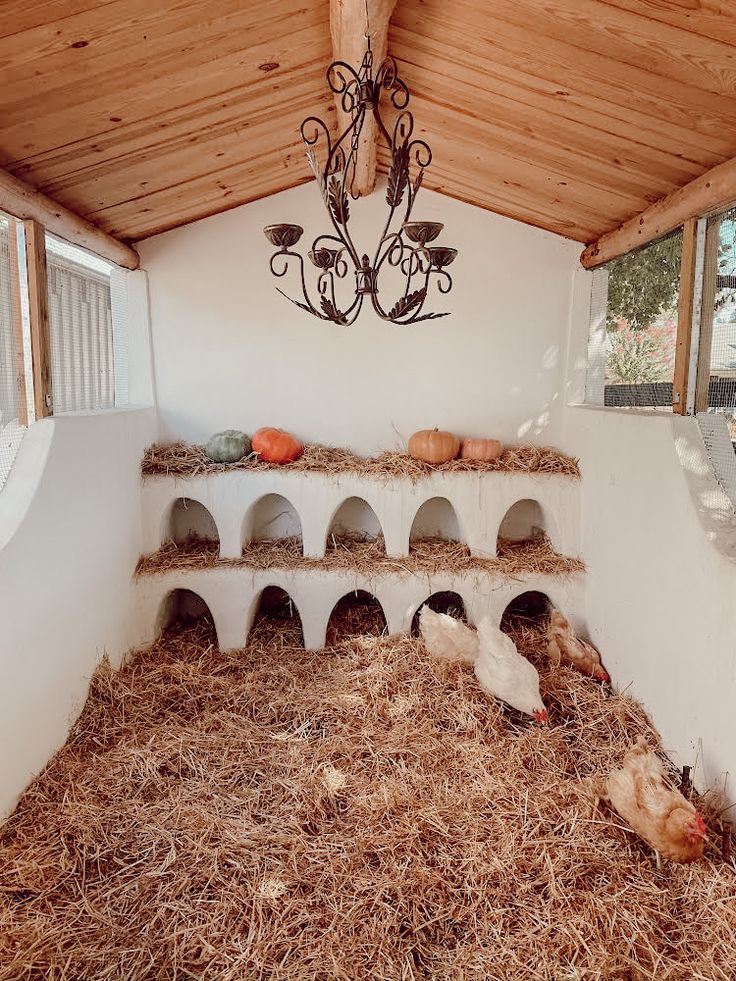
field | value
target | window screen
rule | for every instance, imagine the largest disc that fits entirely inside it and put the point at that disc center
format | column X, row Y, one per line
column 87, row 327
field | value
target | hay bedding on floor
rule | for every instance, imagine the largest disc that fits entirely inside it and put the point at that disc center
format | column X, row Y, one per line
column 366, row 555
column 359, row 812
column 188, row 460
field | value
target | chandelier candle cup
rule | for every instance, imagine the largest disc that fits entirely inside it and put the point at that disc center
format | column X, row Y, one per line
column 322, row 258
column 440, row 256
column 422, row 232
column 402, row 245
column 283, row 236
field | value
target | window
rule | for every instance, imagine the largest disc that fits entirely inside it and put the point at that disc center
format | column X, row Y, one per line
column 87, row 328
column 83, row 348
column 633, row 327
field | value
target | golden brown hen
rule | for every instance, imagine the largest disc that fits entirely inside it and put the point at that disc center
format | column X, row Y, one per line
column 639, row 791
column 563, row 645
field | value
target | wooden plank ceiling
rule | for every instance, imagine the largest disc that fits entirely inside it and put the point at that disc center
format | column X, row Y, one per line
column 572, row 115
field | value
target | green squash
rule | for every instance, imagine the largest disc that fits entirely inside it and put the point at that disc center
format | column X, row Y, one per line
column 228, row 446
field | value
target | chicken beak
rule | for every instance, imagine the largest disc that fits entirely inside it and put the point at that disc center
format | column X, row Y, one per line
column 541, row 716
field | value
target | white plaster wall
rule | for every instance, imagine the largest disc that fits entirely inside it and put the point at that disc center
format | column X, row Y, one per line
column 660, row 546
column 70, row 535
column 229, row 351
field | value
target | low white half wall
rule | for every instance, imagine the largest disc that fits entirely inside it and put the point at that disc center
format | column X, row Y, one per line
column 70, row 535
column 659, row 540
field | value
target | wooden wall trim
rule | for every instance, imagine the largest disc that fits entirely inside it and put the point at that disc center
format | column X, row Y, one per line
column 685, row 316
column 20, row 200
column 38, row 303
column 705, row 341
column 712, row 191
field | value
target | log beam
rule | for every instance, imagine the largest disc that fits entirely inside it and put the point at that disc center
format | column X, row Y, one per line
column 23, row 201
column 349, row 26
column 712, row 191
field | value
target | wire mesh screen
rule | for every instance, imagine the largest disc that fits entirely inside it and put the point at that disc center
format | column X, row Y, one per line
column 715, row 382
column 717, row 371
column 633, row 327
column 16, row 382
column 88, row 351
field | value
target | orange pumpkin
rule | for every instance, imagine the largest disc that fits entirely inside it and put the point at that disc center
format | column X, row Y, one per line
column 433, row 446
column 276, row 445
column 481, row 449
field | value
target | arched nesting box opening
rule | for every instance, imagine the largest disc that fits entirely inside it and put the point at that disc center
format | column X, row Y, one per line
column 435, row 523
column 526, row 619
column 271, row 523
column 525, row 535
column 523, row 521
column 355, row 526
column 443, row 602
column 358, row 613
column 183, row 609
column 190, row 523
column 276, row 621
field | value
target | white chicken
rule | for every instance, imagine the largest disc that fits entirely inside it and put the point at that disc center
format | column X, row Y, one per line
column 448, row 638
column 505, row 674
column 563, row 645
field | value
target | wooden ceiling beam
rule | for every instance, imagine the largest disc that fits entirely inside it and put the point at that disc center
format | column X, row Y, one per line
column 711, row 192
column 23, row 201
column 349, row 27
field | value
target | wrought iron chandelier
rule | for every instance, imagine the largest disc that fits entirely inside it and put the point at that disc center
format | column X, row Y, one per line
column 404, row 243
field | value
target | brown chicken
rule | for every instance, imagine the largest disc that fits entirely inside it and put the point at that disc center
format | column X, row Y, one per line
column 564, row 646
column 639, row 791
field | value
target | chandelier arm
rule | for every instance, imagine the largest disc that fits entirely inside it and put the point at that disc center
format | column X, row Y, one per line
column 355, row 126
column 326, row 281
column 311, row 141
column 286, row 254
column 355, row 129
column 355, row 305
column 443, row 277
column 385, row 236
column 397, row 249
column 379, row 120
column 378, row 308
column 326, row 237
column 357, row 302
column 345, row 239
column 342, row 230
column 337, row 82
column 387, row 77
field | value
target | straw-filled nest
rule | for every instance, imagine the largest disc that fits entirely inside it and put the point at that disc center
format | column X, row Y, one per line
column 359, row 812
column 366, row 555
column 189, row 460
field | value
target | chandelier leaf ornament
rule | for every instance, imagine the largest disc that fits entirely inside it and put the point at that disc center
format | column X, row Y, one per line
column 404, row 244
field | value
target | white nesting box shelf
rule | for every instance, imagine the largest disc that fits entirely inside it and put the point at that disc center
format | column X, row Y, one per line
column 480, row 502
column 233, row 593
